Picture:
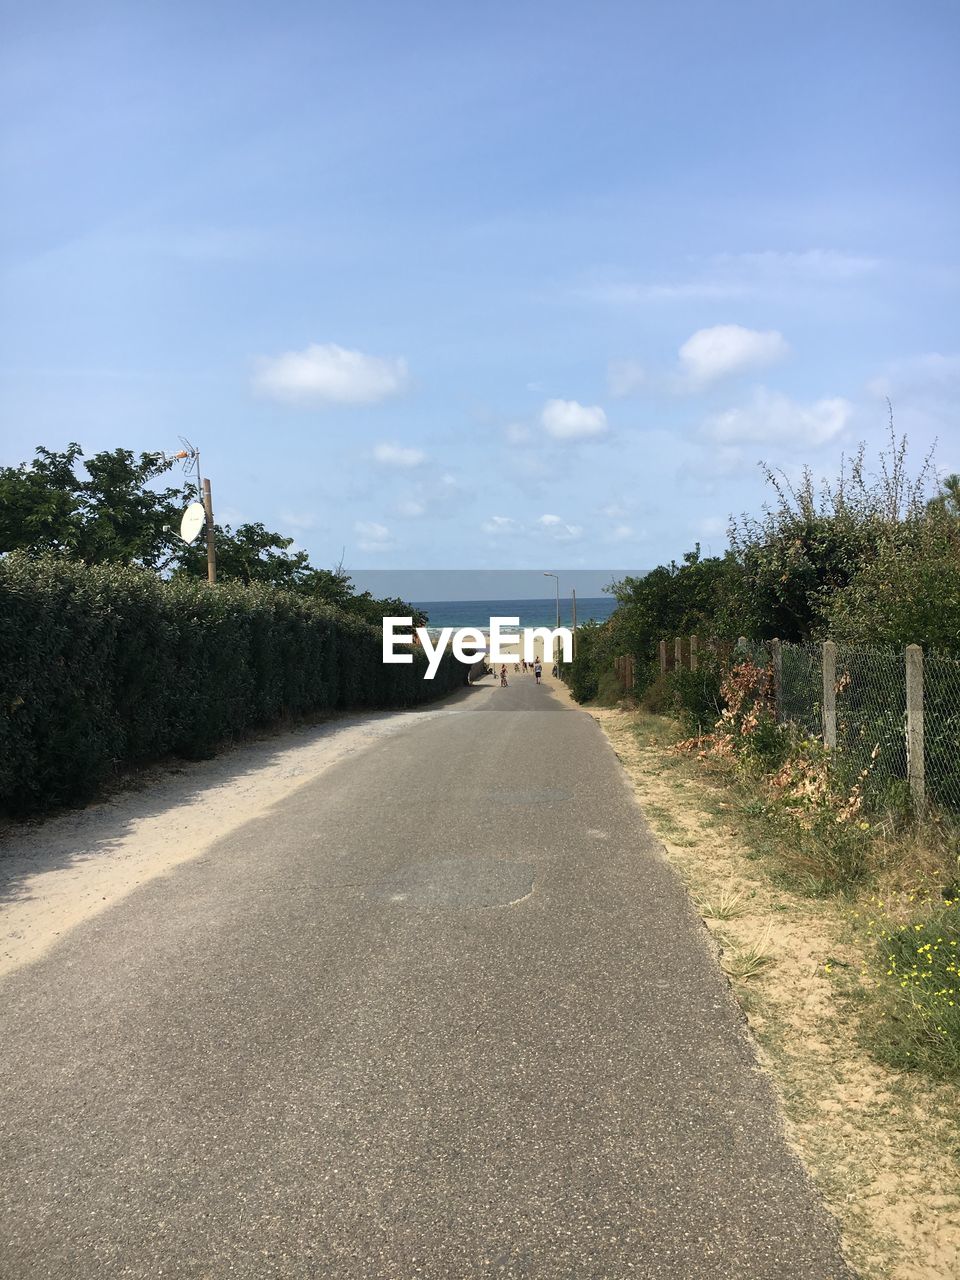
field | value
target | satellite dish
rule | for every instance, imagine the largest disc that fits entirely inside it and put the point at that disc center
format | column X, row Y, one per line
column 194, row 518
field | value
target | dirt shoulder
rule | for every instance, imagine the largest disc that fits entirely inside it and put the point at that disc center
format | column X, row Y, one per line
column 883, row 1146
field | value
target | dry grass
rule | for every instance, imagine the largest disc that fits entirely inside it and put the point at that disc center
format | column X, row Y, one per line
column 726, row 905
column 751, row 958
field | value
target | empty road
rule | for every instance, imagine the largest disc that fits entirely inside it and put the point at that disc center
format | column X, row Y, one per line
column 444, row 1012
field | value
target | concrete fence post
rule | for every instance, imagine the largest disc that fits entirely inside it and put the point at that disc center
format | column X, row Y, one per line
column 741, row 644
column 915, row 769
column 663, row 657
column 694, row 657
column 829, row 694
column 677, row 653
column 776, row 658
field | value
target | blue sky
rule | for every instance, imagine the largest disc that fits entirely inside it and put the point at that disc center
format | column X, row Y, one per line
column 502, row 285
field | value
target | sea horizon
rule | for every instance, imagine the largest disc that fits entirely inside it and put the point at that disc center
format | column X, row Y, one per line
column 531, row 612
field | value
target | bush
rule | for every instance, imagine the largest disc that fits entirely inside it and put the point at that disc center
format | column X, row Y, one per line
column 102, row 667
column 593, row 658
column 697, row 696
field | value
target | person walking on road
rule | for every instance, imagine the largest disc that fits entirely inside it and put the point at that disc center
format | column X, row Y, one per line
column 503, row 676
column 538, row 669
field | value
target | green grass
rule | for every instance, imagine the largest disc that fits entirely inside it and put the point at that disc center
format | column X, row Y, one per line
column 918, row 1026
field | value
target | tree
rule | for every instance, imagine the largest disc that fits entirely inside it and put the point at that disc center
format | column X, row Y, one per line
column 698, row 596
column 251, row 553
column 115, row 515
column 947, row 501
column 112, row 516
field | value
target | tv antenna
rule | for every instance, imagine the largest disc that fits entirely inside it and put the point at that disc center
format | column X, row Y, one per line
column 200, row 512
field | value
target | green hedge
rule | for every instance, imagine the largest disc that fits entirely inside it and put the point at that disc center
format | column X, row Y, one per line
column 106, row 667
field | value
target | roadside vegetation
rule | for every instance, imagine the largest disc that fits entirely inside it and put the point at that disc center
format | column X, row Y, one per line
column 814, row 828
column 115, row 653
column 872, row 559
column 872, row 1103
column 835, row 905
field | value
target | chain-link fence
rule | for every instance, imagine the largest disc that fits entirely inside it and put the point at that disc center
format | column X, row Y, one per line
column 876, row 707
column 801, row 687
column 941, row 737
column 871, row 716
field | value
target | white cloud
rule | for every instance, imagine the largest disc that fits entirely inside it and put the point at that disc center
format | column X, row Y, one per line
column 395, row 455
column 569, row 420
column 930, row 373
column 499, row 525
column 624, row 377
column 725, row 349
column 547, row 526
column 373, row 536
column 625, row 293
column 330, row 374
column 298, row 519
column 773, row 417
column 410, row 508
column 925, row 393
column 621, row 533
column 370, row 529
column 517, row 432
column 740, row 275
column 558, row 530
column 813, row 264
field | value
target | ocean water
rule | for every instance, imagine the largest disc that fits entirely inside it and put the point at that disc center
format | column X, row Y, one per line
column 532, row 613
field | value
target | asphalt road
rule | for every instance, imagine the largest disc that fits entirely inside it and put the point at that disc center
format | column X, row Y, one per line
column 445, row 1013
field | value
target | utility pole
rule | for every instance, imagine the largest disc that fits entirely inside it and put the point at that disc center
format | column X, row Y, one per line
column 189, row 455
column 573, row 594
column 211, row 548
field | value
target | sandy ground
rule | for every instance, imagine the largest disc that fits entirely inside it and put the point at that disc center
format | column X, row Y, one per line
column 57, row 873
column 882, row 1146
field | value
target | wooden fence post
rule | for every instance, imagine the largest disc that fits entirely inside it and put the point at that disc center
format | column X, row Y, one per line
column 694, row 659
column 829, row 694
column 776, row 658
column 915, row 770
column 663, row 657
column 677, row 653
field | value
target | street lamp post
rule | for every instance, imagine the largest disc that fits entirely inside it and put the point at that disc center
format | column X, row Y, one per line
column 556, row 578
